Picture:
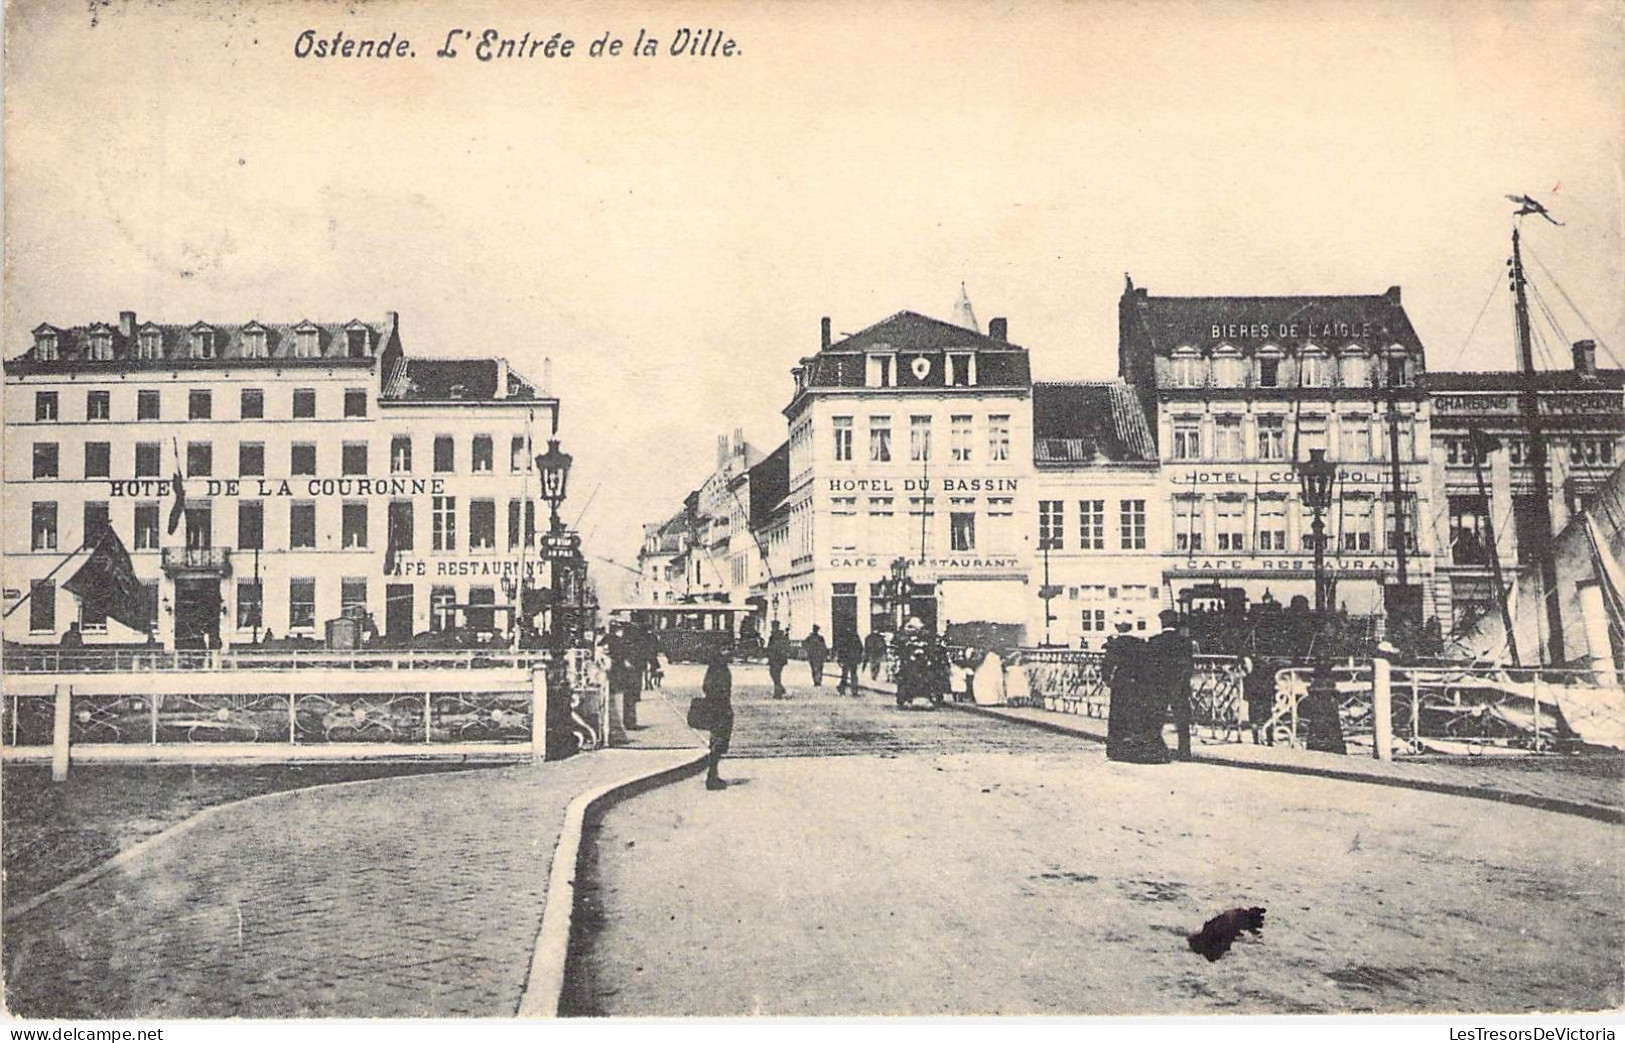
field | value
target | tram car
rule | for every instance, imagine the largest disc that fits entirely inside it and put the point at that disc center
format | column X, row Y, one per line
column 686, row 633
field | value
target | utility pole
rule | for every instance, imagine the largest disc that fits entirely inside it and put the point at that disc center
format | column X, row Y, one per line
column 1481, row 445
column 1529, row 403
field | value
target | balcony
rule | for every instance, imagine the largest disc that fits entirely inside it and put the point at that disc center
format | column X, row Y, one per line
column 197, row 561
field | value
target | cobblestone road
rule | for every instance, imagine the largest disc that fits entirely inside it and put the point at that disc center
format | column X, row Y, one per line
column 406, row 897
column 957, row 880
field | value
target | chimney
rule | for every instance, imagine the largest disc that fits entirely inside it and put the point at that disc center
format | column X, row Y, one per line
column 547, row 377
column 722, row 451
column 502, row 379
column 1585, row 359
column 824, row 339
column 739, row 440
column 1392, row 296
column 998, row 328
column 126, row 324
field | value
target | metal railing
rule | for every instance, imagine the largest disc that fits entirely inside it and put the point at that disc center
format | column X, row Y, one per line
column 197, row 559
column 52, row 660
column 1069, row 681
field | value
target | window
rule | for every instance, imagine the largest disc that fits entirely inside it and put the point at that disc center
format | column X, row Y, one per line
column 843, row 523
column 1311, row 435
column 919, row 439
column 250, row 524
column 1469, row 525
column 353, row 596
column 1459, row 452
column 149, row 604
column 1187, row 439
column 1227, row 438
column 1091, row 524
column 400, row 454
column 1398, row 375
column 199, row 404
column 880, row 439
column 519, row 454
column 254, row 344
column 1357, row 522
column 46, row 464
column 149, row 345
column 526, row 508
column 199, row 459
column 355, row 458
column 482, row 524
column 355, row 402
column 1230, row 530
column 921, row 509
column 42, row 606
column 1315, row 371
column 98, row 459
column 1229, row 372
column 45, row 405
column 302, row 524
column 250, row 604
column 99, row 346
column 1269, row 372
column 45, row 347
column 1408, row 500
column 304, row 403
column 1407, row 442
column 1591, row 452
column 199, row 524
column 1356, row 438
column 481, row 618
column 444, row 454
column 98, row 405
column 962, row 524
column 354, row 525
column 1272, row 523
column 880, row 371
column 253, row 404
column 203, row 344
column 250, row 459
column 998, row 438
column 301, row 603
column 1187, row 371
column 1187, row 524
column 302, row 459
column 146, row 526
column 400, row 525
column 442, row 608
column 1051, row 520
column 444, row 517
column 92, row 619
column 1271, row 437
column 356, row 340
column 960, row 435
column 842, row 426
column 1131, row 524
column 147, row 405
column 307, row 342
column 482, row 462
column 881, row 507
column 1093, row 621
column 1356, row 371
column 146, row 459
column 96, row 520
column 43, row 526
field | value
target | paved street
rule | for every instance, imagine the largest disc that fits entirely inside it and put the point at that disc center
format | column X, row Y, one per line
column 931, row 871
column 417, row 896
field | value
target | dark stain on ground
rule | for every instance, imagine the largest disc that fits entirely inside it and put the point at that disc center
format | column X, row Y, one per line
column 1365, row 977
column 1152, row 890
column 1068, row 876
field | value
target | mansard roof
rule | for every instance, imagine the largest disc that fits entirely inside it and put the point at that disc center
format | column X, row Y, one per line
column 1090, row 422
column 1330, row 321
column 72, row 348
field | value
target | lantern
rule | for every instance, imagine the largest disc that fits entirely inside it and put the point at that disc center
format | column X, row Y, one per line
column 554, row 468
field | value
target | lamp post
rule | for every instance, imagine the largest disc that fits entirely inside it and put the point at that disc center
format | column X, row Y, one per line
column 896, row 589
column 1048, row 592
column 554, row 468
column 1316, row 476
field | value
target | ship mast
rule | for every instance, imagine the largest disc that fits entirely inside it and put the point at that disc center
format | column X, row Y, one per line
column 1529, row 404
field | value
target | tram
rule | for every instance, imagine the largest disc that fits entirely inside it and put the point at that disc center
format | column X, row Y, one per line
column 687, row 632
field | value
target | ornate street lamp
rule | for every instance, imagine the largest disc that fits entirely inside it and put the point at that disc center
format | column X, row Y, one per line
column 1316, row 476
column 554, row 467
column 896, row 590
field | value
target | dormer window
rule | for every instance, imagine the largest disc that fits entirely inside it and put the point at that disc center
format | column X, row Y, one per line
column 1228, row 369
column 307, row 341
column 357, row 340
column 1356, row 368
column 880, row 371
column 254, row 342
column 45, row 344
column 1187, row 368
column 1315, row 369
column 149, row 343
column 1268, row 366
column 202, row 342
column 1395, row 370
column 961, row 369
column 99, row 345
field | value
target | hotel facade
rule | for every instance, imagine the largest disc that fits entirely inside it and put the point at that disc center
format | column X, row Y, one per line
column 324, row 473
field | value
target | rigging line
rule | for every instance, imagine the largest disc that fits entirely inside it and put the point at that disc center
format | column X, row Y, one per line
column 1484, row 308
column 590, row 498
column 1574, row 307
column 1551, row 317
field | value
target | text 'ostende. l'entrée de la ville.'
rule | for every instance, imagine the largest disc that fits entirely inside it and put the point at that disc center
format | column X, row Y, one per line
column 493, row 45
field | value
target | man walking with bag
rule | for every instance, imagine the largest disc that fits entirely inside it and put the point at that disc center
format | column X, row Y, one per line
column 848, row 653
column 715, row 713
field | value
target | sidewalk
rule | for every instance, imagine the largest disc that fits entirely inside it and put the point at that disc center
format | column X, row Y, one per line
column 1594, row 796
column 413, row 896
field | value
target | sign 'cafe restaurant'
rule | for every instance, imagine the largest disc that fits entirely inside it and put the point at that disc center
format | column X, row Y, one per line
column 321, row 472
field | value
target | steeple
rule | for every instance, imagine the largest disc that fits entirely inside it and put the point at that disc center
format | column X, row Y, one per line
column 964, row 315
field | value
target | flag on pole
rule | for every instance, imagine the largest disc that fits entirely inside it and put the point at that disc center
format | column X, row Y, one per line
column 179, row 509
column 106, row 583
column 391, row 545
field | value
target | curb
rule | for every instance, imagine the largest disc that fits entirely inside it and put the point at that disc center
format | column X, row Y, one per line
column 544, row 985
column 1583, row 809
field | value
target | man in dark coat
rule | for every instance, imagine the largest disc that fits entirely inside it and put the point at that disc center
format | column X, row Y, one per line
column 718, row 688
column 817, row 650
column 1173, row 660
column 848, row 653
column 874, row 649
column 1122, row 669
column 626, row 662
column 778, row 654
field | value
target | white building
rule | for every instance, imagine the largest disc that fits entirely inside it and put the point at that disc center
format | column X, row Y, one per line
column 324, row 472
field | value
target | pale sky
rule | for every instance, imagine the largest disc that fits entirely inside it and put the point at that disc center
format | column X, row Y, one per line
column 669, row 230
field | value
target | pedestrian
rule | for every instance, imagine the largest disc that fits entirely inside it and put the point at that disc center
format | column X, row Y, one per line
column 718, row 686
column 625, row 671
column 1173, row 660
column 1122, row 668
column 874, row 649
column 817, row 650
column 1258, row 689
column 848, row 653
column 778, row 654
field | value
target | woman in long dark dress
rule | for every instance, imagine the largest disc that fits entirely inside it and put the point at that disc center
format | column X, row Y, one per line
column 718, row 687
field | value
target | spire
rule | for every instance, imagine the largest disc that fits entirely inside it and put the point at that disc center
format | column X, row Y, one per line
column 964, row 315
